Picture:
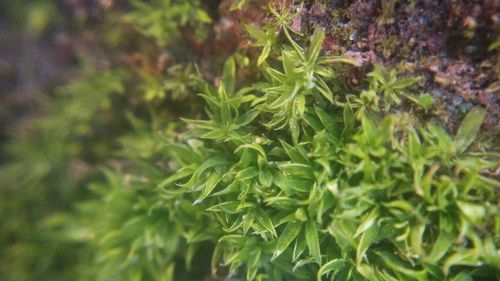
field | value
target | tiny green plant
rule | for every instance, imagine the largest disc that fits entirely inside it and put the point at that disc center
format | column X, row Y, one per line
column 326, row 190
column 389, row 87
column 164, row 19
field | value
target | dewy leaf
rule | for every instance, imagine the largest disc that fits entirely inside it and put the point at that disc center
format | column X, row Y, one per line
column 324, row 90
column 292, row 229
column 264, row 220
column 325, row 118
column 248, row 220
column 469, row 128
column 256, row 147
column 367, row 239
column 313, row 240
column 299, row 50
column 299, row 170
column 301, row 263
column 246, row 118
column 316, row 41
column 296, row 154
column 265, row 177
column 335, row 264
column 295, row 130
column 300, row 103
column 247, row 173
column 212, row 181
column 369, row 220
column 298, row 248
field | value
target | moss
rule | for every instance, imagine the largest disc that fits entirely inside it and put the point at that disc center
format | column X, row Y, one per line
column 203, row 140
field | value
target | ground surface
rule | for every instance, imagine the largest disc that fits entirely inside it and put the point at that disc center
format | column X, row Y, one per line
column 446, row 42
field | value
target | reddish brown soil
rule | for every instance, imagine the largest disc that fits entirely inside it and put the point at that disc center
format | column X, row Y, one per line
column 446, row 42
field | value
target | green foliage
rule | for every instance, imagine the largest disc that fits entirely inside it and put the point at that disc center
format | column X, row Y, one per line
column 389, row 87
column 332, row 194
column 46, row 165
column 239, row 4
column 164, row 19
column 303, row 74
column 286, row 178
column 266, row 39
column 494, row 45
column 178, row 82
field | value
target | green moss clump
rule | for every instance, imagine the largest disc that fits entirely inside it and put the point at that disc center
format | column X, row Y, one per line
column 287, row 174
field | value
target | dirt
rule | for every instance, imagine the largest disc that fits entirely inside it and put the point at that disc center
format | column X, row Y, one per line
column 446, row 42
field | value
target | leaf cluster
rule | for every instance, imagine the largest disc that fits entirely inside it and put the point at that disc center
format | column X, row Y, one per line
column 287, row 178
column 328, row 189
column 164, row 19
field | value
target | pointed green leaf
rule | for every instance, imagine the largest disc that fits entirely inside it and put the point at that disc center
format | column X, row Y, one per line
column 313, row 240
column 324, row 90
column 292, row 229
column 396, row 264
column 264, row 220
column 368, row 221
column 228, row 78
column 253, row 264
column 248, row 220
column 296, row 154
column 444, row 240
column 367, row 239
column 316, row 41
column 181, row 173
column 336, row 59
column 247, row 118
column 295, row 130
column 349, row 121
column 212, row 182
column 256, row 33
column 298, row 248
column 265, row 178
column 469, row 128
column 336, row 264
column 264, row 54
